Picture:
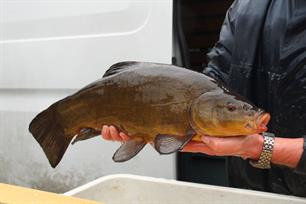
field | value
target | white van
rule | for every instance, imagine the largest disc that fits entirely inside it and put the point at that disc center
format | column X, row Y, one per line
column 51, row 48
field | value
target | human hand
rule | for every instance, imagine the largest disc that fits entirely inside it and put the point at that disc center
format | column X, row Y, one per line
column 249, row 146
column 287, row 151
column 111, row 133
column 244, row 146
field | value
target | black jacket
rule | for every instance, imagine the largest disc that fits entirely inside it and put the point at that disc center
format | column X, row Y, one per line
column 261, row 53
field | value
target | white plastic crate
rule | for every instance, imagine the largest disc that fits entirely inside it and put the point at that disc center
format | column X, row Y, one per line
column 126, row 189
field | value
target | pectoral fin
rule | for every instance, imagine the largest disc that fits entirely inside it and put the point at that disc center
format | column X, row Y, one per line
column 167, row 144
column 86, row 133
column 129, row 149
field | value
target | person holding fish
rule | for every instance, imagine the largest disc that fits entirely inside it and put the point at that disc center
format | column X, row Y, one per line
column 256, row 77
column 261, row 54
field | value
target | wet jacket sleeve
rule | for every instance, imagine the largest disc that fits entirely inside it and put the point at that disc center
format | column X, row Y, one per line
column 301, row 167
column 220, row 56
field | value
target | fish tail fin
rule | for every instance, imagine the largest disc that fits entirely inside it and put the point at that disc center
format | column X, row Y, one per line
column 50, row 135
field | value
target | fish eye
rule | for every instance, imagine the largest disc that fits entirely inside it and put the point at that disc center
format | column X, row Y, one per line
column 231, row 107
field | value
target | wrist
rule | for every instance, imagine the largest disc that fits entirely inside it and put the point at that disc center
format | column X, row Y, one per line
column 287, row 151
column 252, row 146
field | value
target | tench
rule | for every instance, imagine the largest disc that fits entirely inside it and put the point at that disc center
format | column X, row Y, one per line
column 161, row 104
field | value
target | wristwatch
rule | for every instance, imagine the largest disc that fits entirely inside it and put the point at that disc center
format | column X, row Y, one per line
column 264, row 161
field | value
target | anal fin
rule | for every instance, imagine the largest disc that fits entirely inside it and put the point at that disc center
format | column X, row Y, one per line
column 86, row 133
column 129, row 149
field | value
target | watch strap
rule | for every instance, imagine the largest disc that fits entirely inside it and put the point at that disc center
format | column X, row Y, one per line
column 264, row 161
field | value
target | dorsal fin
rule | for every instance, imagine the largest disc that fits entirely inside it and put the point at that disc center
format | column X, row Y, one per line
column 121, row 66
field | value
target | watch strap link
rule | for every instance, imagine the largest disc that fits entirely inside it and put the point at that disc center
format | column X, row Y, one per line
column 264, row 161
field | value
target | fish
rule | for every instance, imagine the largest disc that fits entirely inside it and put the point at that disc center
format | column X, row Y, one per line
column 161, row 104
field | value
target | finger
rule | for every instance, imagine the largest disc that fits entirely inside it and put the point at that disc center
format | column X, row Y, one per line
column 223, row 145
column 114, row 134
column 192, row 148
column 124, row 137
column 106, row 133
column 197, row 147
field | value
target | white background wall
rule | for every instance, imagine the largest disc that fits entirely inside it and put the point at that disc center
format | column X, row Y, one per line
column 51, row 48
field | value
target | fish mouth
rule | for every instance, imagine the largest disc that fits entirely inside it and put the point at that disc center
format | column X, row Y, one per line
column 262, row 121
